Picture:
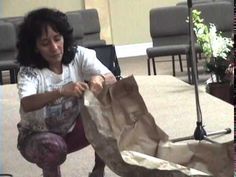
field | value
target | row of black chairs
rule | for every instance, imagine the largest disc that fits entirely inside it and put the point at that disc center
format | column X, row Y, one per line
column 86, row 32
column 170, row 31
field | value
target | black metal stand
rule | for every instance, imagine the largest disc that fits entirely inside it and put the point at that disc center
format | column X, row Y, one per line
column 199, row 133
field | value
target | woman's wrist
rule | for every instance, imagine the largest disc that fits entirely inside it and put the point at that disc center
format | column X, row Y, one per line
column 60, row 91
column 103, row 77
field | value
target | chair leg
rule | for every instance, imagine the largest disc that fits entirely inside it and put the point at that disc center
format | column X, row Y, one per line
column 1, row 81
column 154, row 66
column 200, row 55
column 148, row 65
column 12, row 76
column 16, row 73
column 180, row 63
column 173, row 64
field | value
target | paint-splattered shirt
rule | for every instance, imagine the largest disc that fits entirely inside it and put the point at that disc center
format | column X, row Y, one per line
column 59, row 116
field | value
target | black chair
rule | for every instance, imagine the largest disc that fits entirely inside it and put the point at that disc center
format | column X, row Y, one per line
column 223, row 21
column 16, row 21
column 75, row 20
column 91, row 26
column 107, row 55
column 169, row 32
column 8, row 51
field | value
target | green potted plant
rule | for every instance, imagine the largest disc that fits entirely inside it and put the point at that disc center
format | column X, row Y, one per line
column 218, row 51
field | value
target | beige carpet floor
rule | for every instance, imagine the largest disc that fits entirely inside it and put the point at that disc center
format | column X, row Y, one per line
column 138, row 66
column 80, row 163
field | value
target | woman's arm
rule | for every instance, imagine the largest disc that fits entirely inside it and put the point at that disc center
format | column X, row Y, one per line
column 38, row 101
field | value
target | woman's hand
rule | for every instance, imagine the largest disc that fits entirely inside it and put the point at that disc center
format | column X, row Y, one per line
column 96, row 84
column 37, row 101
column 73, row 89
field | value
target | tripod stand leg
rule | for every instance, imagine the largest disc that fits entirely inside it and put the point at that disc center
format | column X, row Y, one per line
column 205, row 137
column 182, row 139
column 199, row 133
column 209, row 140
column 225, row 131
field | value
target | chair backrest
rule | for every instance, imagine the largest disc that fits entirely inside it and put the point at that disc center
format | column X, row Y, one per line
column 91, row 26
column 91, row 23
column 107, row 55
column 211, row 12
column 7, row 36
column 168, row 25
column 76, row 21
column 16, row 21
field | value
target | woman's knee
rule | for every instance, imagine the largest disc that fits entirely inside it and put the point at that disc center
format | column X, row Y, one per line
column 44, row 149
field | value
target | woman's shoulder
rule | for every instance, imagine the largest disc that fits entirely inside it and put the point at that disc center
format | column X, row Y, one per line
column 83, row 54
column 84, row 51
column 26, row 71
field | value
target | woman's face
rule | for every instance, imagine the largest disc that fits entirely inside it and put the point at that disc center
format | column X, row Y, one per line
column 51, row 46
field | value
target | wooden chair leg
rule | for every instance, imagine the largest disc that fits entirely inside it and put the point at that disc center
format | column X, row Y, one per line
column 180, row 63
column 154, row 66
column 173, row 64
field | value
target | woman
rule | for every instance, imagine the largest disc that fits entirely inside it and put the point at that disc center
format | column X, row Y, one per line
column 51, row 83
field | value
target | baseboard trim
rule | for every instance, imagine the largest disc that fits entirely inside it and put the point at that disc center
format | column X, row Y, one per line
column 132, row 50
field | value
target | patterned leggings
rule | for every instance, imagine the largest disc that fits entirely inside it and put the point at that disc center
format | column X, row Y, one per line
column 49, row 150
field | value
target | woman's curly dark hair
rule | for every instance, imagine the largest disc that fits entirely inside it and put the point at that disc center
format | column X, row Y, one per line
column 32, row 28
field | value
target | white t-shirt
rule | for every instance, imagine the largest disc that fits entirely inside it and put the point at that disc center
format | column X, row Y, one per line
column 60, row 115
